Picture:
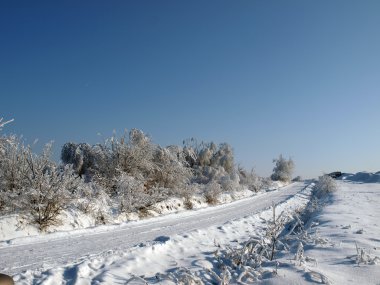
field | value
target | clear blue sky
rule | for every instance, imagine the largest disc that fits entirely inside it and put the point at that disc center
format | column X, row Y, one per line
column 301, row 78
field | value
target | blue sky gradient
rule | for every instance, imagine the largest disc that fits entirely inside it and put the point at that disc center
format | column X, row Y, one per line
column 301, row 78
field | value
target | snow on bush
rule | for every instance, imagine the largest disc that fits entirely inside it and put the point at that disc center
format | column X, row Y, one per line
column 212, row 163
column 212, row 193
column 283, row 169
column 133, row 196
column 250, row 261
column 82, row 157
column 250, row 179
column 171, row 169
column 324, row 186
column 13, row 166
column 134, row 157
column 121, row 175
column 32, row 184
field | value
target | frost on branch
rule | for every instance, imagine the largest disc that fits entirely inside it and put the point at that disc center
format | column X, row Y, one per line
column 250, row 179
column 283, row 169
column 210, row 162
column 134, row 196
column 32, row 184
column 324, row 186
column 171, row 169
column 3, row 123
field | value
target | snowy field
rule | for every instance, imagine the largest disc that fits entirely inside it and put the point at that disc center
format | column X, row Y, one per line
column 339, row 244
column 345, row 247
column 61, row 248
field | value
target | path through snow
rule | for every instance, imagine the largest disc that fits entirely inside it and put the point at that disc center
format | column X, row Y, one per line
column 56, row 250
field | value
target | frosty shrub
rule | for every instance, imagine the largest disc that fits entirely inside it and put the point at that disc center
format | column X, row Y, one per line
column 134, row 196
column 136, row 156
column 82, row 156
column 229, row 184
column 324, row 186
column 210, row 162
column 34, row 185
column 224, row 157
column 12, row 172
column 171, row 169
column 130, row 193
column 187, row 194
column 148, row 167
column 14, row 168
column 212, row 193
column 188, row 203
column 93, row 200
column 49, row 190
column 190, row 155
column 132, row 154
column 283, row 169
column 250, row 179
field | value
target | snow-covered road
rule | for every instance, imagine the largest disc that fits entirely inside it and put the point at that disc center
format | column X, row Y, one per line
column 62, row 248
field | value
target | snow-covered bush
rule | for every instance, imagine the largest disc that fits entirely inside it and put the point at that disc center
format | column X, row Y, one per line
column 324, row 186
column 212, row 163
column 224, row 157
column 134, row 157
column 134, row 196
column 212, row 193
column 83, row 157
column 95, row 202
column 229, row 184
column 171, row 169
column 131, row 155
column 14, row 168
column 34, row 185
column 209, row 154
column 283, row 169
column 52, row 193
column 49, row 189
column 250, row 179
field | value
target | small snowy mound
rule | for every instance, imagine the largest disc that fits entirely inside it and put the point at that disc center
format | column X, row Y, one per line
column 363, row 177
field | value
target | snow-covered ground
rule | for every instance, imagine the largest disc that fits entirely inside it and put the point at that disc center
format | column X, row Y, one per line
column 345, row 247
column 63, row 248
column 341, row 244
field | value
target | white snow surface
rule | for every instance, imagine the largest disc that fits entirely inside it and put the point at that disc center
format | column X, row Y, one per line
column 38, row 254
column 15, row 226
column 347, row 231
column 346, row 248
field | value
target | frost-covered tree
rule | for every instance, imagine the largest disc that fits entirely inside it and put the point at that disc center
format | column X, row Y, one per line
column 82, row 156
column 132, row 154
column 324, row 186
column 134, row 196
column 250, row 179
column 212, row 193
column 33, row 184
column 224, row 157
column 171, row 169
column 49, row 189
column 283, row 169
column 136, row 156
column 211, row 162
column 14, row 171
